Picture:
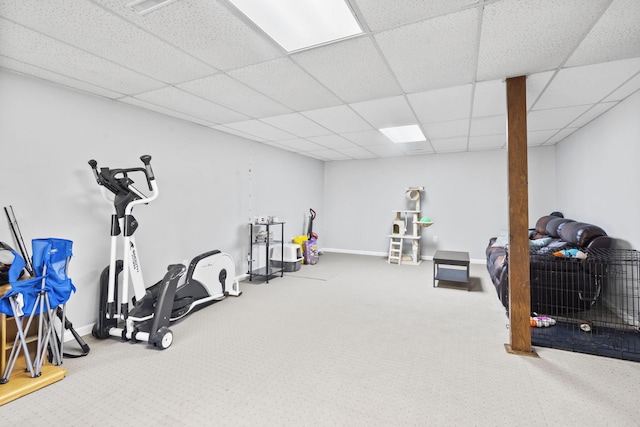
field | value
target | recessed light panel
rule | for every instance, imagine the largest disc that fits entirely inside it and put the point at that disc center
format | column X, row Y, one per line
column 299, row 24
column 399, row 134
column 145, row 6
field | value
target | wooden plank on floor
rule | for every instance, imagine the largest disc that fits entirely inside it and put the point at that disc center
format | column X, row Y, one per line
column 20, row 382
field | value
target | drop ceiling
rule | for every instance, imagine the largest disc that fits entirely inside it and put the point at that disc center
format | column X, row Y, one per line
column 440, row 64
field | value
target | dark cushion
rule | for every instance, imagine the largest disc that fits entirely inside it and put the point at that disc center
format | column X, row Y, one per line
column 580, row 233
column 555, row 225
column 541, row 225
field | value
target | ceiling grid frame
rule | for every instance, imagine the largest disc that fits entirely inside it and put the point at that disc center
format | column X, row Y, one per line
column 624, row 49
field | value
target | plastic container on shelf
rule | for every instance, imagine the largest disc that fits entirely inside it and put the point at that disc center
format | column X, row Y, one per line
column 291, row 259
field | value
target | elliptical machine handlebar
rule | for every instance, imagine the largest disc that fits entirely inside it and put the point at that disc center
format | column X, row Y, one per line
column 146, row 159
column 94, row 167
column 118, row 182
column 110, row 175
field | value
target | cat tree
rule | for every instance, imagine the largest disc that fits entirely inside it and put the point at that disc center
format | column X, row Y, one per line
column 401, row 231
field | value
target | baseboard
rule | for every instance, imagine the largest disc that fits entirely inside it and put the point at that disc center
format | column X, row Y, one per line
column 385, row 254
column 354, row 252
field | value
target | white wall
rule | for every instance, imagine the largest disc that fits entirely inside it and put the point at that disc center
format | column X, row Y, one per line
column 211, row 183
column 465, row 195
column 598, row 173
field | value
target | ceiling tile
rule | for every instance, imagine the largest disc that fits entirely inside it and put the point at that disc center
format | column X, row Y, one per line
column 487, row 142
column 521, row 37
column 158, row 109
column 312, row 156
column 561, row 135
column 385, row 150
column 442, row 104
column 176, row 99
column 236, row 132
column 31, row 70
column 300, row 144
column 332, row 141
column 448, row 145
column 629, row 87
column 91, row 28
column 536, row 83
column 277, row 145
column 338, row 119
column 555, row 118
column 297, row 124
column 367, row 137
column 328, row 155
column 357, row 153
column 492, row 125
column 383, row 14
column 586, row 85
column 30, row 47
column 368, row 76
column 593, row 113
column 416, row 148
column 539, row 137
column 490, row 98
column 193, row 25
column 287, row 83
column 225, row 91
column 615, row 36
column 423, row 56
column 263, row 130
column 450, row 129
column 386, row 112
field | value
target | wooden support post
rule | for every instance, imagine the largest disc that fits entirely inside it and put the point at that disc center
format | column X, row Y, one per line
column 519, row 286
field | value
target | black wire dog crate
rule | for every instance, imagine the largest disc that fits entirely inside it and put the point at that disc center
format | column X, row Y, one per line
column 594, row 300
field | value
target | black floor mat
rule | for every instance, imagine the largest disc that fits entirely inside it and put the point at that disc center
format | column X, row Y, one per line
column 600, row 341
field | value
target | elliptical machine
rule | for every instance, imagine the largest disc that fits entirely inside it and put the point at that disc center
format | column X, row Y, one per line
column 209, row 278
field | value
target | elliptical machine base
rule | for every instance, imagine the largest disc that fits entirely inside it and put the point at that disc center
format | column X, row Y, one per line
column 187, row 293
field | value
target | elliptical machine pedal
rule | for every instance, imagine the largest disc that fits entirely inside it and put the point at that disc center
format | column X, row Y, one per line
column 209, row 277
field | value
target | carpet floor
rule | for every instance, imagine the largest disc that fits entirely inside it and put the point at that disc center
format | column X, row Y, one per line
column 351, row 341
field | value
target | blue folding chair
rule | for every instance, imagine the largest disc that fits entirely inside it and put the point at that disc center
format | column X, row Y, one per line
column 39, row 295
